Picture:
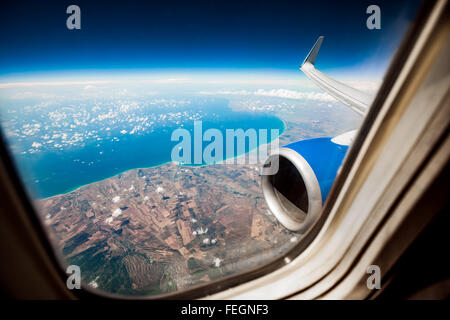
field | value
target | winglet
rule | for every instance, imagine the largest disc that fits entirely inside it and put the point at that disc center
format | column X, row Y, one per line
column 311, row 57
column 357, row 100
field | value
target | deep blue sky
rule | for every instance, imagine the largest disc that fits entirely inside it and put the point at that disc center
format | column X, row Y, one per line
column 212, row 34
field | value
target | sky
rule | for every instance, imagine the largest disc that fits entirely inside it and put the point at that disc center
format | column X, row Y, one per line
column 196, row 37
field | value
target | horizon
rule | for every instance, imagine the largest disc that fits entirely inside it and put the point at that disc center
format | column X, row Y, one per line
column 179, row 37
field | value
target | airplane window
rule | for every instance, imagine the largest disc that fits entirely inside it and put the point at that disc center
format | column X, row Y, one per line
column 167, row 145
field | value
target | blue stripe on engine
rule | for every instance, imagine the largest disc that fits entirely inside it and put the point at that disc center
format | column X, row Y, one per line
column 324, row 156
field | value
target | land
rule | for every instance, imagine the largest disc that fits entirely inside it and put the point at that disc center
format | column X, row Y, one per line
column 156, row 230
column 165, row 228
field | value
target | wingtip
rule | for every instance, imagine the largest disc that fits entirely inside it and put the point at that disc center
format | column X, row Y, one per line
column 312, row 55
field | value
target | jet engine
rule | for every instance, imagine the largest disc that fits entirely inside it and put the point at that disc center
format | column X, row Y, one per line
column 296, row 180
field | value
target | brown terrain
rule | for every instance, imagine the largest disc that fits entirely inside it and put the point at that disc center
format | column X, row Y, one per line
column 165, row 228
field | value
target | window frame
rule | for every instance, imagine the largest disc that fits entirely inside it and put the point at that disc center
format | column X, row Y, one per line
column 320, row 271
column 32, row 234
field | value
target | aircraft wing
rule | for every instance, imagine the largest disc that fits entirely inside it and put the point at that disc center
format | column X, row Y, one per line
column 357, row 100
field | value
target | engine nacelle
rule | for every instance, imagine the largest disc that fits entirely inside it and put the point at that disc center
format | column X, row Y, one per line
column 295, row 193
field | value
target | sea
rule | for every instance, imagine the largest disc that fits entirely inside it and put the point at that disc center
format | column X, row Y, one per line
column 57, row 171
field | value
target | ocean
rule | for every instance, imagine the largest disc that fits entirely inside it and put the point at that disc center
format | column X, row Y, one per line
column 57, row 171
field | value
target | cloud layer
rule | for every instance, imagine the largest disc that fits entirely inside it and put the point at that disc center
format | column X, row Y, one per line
column 279, row 93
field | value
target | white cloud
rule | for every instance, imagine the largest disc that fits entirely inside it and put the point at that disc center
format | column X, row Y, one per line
column 117, row 212
column 217, row 262
column 279, row 93
column 173, row 80
column 109, row 220
column 93, row 284
column 201, row 230
column 291, row 94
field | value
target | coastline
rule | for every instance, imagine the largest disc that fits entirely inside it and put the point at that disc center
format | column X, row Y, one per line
column 161, row 164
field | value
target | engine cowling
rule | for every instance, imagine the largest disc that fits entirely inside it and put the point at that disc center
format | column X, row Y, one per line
column 304, row 173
